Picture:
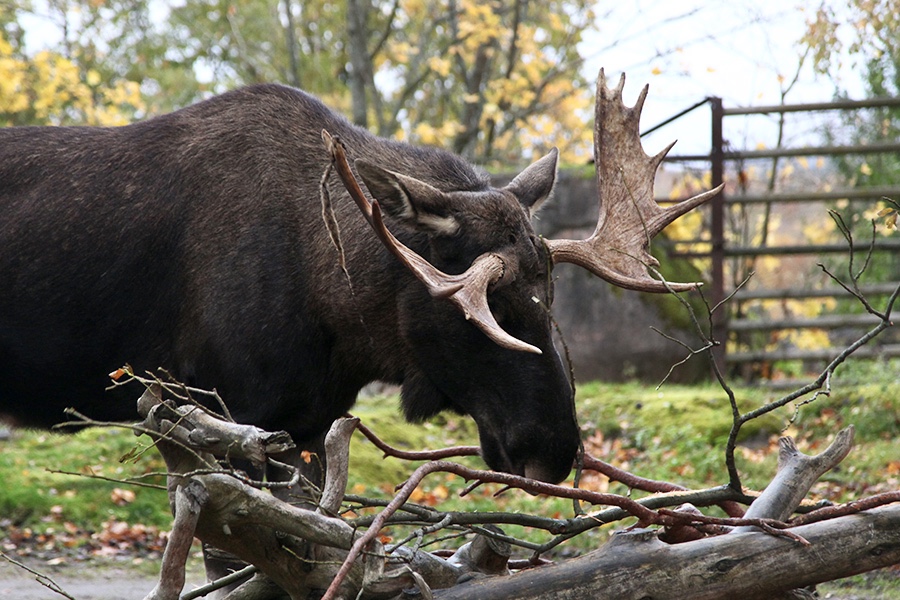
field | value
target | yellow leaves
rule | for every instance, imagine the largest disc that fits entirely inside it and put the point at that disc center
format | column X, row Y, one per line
column 93, row 78
column 400, row 52
column 12, row 100
column 890, row 217
column 865, row 169
column 51, row 89
column 808, row 339
column 57, row 83
column 440, row 65
column 411, row 7
column 555, row 22
column 656, row 71
column 526, row 107
column 479, row 25
column 436, row 135
column 819, row 231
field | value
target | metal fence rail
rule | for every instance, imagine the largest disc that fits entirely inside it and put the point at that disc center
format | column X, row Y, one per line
column 717, row 249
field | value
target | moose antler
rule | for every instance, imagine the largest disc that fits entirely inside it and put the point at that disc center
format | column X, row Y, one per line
column 468, row 291
column 629, row 217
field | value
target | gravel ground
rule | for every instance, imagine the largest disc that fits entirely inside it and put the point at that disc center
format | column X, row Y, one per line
column 93, row 580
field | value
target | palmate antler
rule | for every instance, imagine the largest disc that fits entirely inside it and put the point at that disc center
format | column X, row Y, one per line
column 629, row 217
column 617, row 251
column 468, row 291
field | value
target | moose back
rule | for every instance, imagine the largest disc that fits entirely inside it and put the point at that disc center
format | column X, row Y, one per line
column 196, row 241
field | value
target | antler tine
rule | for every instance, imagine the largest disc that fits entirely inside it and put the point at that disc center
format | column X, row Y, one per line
column 468, row 291
column 618, row 250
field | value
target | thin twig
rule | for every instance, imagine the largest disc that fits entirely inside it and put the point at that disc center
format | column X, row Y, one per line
column 44, row 580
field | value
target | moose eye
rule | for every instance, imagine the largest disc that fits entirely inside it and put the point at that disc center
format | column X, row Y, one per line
column 512, row 239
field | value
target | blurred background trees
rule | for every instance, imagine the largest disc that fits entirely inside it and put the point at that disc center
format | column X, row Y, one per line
column 483, row 79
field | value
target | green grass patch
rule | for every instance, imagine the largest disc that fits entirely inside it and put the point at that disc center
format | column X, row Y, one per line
column 33, row 495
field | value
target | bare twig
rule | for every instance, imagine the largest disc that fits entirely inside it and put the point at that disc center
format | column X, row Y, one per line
column 205, row 590
column 44, row 580
column 416, row 455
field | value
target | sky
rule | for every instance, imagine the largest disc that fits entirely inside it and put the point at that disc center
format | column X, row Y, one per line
column 743, row 51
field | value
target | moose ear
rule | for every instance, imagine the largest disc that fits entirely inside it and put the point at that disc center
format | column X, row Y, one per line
column 409, row 200
column 534, row 185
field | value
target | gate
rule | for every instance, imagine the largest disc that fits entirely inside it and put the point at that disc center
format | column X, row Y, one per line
column 734, row 324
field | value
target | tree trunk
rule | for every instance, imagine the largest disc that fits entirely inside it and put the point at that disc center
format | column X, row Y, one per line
column 357, row 42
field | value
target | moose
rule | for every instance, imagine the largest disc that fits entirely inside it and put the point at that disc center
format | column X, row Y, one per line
column 224, row 242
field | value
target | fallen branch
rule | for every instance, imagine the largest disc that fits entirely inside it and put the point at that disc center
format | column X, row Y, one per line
column 189, row 500
column 749, row 565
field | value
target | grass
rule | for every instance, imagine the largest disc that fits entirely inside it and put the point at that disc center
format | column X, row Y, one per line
column 675, row 433
column 34, row 496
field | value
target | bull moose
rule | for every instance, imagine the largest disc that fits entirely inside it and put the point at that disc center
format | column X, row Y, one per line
column 197, row 241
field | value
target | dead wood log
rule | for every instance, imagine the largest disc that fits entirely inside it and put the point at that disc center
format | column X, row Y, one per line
column 485, row 555
column 796, row 474
column 296, row 549
column 189, row 501
column 299, row 550
column 748, row 565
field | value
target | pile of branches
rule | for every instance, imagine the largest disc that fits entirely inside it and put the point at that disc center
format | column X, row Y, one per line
column 673, row 551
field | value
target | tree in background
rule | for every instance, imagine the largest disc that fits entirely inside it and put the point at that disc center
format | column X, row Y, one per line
column 474, row 77
column 863, row 33
column 489, row 80
column 485, row 79
column 49, row 88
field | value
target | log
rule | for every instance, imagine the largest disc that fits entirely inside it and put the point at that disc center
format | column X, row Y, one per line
column 748, row 565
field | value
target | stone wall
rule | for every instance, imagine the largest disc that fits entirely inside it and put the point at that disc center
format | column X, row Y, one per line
column 607, row 329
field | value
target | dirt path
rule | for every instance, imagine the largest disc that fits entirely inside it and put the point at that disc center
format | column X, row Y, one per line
column 91, row 580
column 99, row 579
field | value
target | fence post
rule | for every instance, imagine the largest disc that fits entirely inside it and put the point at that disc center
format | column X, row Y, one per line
column 717, row 293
